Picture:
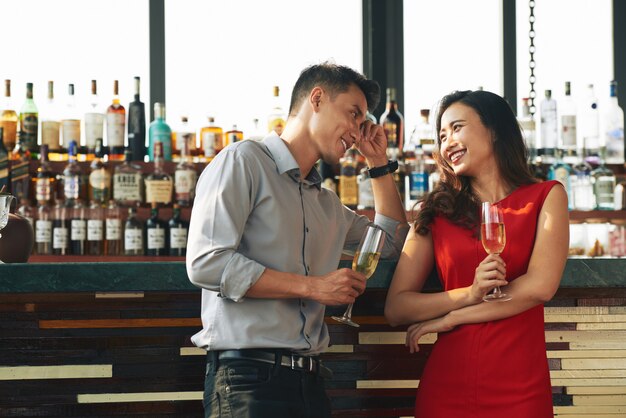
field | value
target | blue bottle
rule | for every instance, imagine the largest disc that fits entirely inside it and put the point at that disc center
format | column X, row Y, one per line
column 160, row 131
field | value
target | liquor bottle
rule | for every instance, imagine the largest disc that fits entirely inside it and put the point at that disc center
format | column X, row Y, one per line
column 327, row 172
column 137, row 126
column 422, row 135
column 582, row 187
column 78, row 228
column 50, row 126
column 29, row 121
column 160, row 131
column 133, row 234
column 416, row 179
column 20, row 174
column 156, row 233
column 348, row 190
column 613, row 124
column 529, row 130
column 60, row 229
column 128, row 182
column 94, row 122
column 366, row 193
column 568, row 125
column 116, row 126
column 113, row 229
column 28, row 212
column 232, row 136
column 70, row 125
column 562, row 172
column 185, row 178
column 276, row 119
column 257, row 133
column 74, row 185
column 4, row 163
column 604, row 182
column 95, row 229
column 43, row 230
column 178, row 230
column 45, row 179
column 99, row 177
column 158, row 183
column 589, row 126
column 211, row 140
column 549, row 130
column 393, row 124
column 8, row 118
column 183, row 134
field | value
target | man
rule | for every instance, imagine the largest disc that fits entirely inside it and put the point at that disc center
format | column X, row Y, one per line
column 265, row 241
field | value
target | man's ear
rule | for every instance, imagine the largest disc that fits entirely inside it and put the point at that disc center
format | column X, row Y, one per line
column 315, row 98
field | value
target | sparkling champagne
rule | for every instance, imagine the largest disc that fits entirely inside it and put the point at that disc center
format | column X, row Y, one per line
column 365, row 262
column 493, row 237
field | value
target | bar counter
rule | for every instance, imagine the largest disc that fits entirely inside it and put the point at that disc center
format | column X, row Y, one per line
column 113, row 339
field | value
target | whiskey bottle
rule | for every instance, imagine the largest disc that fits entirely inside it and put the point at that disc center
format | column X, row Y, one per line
column 60, row 229
column 160, row 131
column 156, row 232
column 94, row 122
column 128, row 182
column 113, row 230
column 70, row 125
column 99, row 177
column 185, row 178
column 178, row 230
column 43, row 230
column 276, row 119
column 137, row 126
column 159, row 184
column 392, row 122
column 51, row 127
column 45, row 179
column 348, row 190
column 95, row 229
column 78, row 228
column 211, row 140
column 232, row 136
column 184, row 134
column 29, row 121
column 8, row 118
column 20, row 174
column 4, row 163
column 133, row 234
column 116, row 126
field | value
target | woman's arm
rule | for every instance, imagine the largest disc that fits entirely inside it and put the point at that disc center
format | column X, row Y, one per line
column 537, row 286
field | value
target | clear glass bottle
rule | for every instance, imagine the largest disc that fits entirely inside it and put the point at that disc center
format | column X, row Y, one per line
column 78, row 228
column 8, row 118
column 70, row 125
column 604, row 182
column 549, row 132
column 43, row 230
column 161, row 132
column 159, row 184
column 277, row 118
column 74, row 185
column 51, row 127
column 178, row 230
column 567, row 110
column 60, row 229
column 29, row 122
column 128, row 182
column 185, row 178
column 211, row 139
column 183, row 134
column 99, row 177
column 366, row 194
column 94, row 122
column 113, row 230
column 45, row 179
column 416, row 179
column 613, row 124
column 529, row 130
column 589, row 126
column 423, row 135
column 137, row 125
column 392, row 122
column 133, row 234
column 156, row 233
column 562, row 172
column 582, row 187
column 116, row 126
column 95, row 229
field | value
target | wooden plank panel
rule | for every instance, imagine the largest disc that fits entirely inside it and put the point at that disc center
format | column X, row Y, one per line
column 596, row 390
column 600, row 400
column 601, row 326
column 590, row 411
column 584, row 318
column 391, row 338
column 138, row 397
column 586, row 353
column 594, row 374
column 56, row 372
column 121, row 323
column 577, row 336
column 596, row 363
column 578, row 310
column 597, row 345
column 589, row 382
column 387, row 384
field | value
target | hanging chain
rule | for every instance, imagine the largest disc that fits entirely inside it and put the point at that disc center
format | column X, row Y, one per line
column 531, row 63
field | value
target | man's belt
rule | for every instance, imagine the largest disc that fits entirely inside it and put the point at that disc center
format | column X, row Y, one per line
column 293, row 361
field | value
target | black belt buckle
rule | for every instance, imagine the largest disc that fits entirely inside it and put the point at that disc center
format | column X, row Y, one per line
column 297, row 363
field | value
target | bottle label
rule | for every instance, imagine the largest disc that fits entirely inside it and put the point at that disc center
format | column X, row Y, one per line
column 113, row 229
column 568, row 131
column 94, row 127
column 418, row 184
column 391, row 131
column 209, row 142
column 29, row 125
column 615, row 145
column 127, row 187
column 71, row 186
column 20, row 179
column 348, row 190
column 115, row 129
column 185, row 184
column 164, row 137
column 43, row 231
column 43, row 189
column 95, row 228
column 156, row 238
column 277, row 125
column 78, row 229
column 133, row 239
column 100, row 182
column 604, row 190
column 10, row 133
column 178, row 238
column 50, row 134
column 59, row 238
column 159, row 191
column 71, row 131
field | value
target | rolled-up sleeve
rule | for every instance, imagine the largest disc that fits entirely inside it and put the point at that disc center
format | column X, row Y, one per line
column 224, row 200
column 395, row 233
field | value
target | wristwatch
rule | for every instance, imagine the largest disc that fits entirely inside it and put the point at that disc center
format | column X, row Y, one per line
column 390, row 167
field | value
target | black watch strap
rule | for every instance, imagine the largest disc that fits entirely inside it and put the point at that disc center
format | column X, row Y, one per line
column 390, row 167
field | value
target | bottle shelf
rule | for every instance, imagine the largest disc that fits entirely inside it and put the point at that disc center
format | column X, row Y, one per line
column 35, row 258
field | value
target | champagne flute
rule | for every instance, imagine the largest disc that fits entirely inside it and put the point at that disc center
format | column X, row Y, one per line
column 493, row 237
column 365, row 261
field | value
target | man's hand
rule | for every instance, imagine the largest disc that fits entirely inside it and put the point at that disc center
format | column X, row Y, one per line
column 340, row 287
column 372, row 144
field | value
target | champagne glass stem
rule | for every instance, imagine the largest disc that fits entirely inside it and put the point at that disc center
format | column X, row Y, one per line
column 348, row 313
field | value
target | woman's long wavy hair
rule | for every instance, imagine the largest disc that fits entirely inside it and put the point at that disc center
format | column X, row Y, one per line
column 453, row 197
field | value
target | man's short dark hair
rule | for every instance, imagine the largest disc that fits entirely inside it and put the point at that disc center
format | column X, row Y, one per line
column 335, row 79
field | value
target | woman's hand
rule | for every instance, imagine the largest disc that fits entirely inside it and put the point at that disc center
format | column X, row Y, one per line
column 491, row 272
column 416, row 331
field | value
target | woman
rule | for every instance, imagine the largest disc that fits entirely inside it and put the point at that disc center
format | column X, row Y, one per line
column 490, row 358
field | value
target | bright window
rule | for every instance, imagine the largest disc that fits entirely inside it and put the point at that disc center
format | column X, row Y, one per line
column 224, row 57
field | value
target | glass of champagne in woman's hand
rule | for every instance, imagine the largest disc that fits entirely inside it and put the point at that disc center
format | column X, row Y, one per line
column 493, row 237
column 365, row 261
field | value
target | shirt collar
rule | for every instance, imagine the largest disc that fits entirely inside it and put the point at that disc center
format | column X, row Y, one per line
column 285, row 163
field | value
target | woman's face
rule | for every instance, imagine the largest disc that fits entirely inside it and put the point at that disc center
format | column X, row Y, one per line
column 465, row 143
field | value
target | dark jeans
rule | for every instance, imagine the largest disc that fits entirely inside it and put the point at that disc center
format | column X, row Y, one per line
column 251, row 389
